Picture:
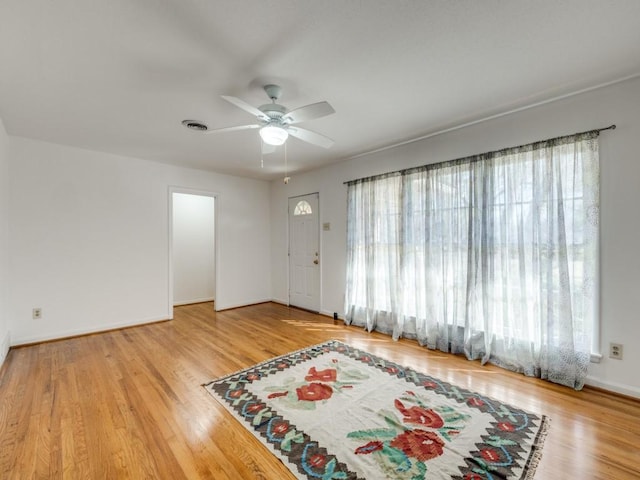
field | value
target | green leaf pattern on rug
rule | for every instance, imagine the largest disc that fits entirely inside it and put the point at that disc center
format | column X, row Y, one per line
column 330, row 472
column 498, row 442
column 416, row 433
column 292, row 436
column 261, row 416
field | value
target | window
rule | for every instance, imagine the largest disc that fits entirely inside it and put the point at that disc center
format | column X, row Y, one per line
column 494, row 256
column 303, row 208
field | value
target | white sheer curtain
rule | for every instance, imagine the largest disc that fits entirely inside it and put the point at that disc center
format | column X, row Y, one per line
column 493, row 256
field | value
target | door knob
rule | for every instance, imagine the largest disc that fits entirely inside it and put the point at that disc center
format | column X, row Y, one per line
column 316, row 261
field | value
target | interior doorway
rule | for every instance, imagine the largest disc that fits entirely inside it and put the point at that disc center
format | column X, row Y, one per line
column 304, row 252
column 192, row 247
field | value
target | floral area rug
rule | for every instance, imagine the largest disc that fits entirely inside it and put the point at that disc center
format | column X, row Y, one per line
column 332, row 411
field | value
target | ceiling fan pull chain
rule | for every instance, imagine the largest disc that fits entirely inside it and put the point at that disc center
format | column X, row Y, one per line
column 261, row 153
column 286, row 170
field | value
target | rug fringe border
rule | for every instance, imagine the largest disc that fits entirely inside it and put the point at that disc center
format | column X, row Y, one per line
column 536, row 449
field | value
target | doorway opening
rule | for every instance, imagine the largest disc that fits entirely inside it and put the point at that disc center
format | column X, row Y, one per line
column 193, row 241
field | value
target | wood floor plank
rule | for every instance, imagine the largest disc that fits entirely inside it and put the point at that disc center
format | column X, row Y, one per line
column 129, row 404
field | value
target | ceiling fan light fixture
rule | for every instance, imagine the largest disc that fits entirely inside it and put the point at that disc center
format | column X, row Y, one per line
column 273, row 135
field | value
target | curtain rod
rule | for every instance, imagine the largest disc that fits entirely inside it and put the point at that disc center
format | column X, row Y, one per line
column 470, row 157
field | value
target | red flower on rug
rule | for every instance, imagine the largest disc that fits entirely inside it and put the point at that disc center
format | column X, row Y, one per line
column 317, row 460
column 490, row 455
column 506, row 427
column 256, row 407
column 277, row 394
column 419, row 444
column 419, row 415
column 472, row 476
column 281, row 428
column 327, row 375
column 314, row 392
column 369, row 448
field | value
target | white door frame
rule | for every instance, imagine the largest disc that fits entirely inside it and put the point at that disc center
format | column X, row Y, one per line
column 289, row 249
column 216, row 253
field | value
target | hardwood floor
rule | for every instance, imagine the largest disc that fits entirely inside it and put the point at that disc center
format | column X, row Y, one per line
column 129, row 403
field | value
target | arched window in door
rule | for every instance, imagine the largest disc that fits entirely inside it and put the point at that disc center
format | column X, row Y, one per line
column 303, row 208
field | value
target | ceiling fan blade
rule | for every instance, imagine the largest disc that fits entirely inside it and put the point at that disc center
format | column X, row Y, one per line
column 310, row 137
column 267, row 149
column 246, row 107
column 231, row 129
column 308, row 112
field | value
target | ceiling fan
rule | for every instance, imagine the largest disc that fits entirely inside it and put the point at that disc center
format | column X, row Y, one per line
column 275, row 121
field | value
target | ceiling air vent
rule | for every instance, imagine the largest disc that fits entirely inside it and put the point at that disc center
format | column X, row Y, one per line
column 195, row 125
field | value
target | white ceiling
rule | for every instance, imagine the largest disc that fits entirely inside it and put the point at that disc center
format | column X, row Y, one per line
column 119, row 75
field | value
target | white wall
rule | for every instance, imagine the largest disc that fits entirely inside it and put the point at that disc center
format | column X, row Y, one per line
column 89, row 239
column 4, row 242
column 620, row 200
column 193, row 248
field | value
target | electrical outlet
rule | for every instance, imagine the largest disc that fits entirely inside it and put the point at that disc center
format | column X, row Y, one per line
column 37, row 313
column 615, row 351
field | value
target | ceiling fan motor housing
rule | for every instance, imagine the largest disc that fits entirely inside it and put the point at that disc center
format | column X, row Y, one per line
column 273, row 110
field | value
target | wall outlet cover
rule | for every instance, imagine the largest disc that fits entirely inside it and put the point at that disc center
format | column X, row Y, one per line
column 615, row 351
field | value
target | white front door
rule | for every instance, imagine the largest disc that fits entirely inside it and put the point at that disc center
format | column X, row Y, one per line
column 304, row 252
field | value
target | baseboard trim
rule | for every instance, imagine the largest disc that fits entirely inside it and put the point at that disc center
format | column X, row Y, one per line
column 192, row 302
column 4, row 347
column 240, row 305
column 26, row 341
column 613, row 387
column 280, row 301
